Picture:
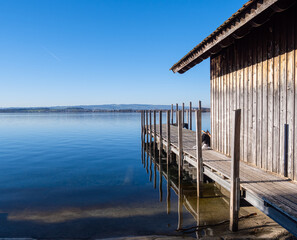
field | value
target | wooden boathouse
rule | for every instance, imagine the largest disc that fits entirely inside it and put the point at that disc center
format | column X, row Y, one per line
column 253, row 62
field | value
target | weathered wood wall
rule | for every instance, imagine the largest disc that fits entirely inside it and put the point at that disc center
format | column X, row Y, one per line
column 258, row 74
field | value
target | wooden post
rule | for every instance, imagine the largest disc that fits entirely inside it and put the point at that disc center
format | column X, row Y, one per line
column 199, row 152
column 180, row 145
column 146, row 129
column 172, row 114
column 190, row 127
column 168, row 150
column 187, row 113
column 286, row 141
column 183, row 115
column 151, row 135
column 160, row 134
column 155, row 134
column 160, row 157
column 141, row 123
column 235, row 181
column 176, row 113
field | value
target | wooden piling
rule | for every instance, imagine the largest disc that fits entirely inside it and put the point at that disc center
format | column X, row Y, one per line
column 187, row 113
column 199, row 152
column 146, row 129
column 151, row 135
column 172, row 114
column 160, row 134
column 168, row 150
column 183, row 114
column 286, row 142
column 190, row 127
column 180, row 145
column 176, row 113
column 160, row 156
column 235, row 181
column 155, row 135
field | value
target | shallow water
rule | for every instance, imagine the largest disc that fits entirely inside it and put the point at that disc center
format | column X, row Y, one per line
column 80, row 176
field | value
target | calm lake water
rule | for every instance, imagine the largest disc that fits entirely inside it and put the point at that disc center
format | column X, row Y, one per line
column 80, row 176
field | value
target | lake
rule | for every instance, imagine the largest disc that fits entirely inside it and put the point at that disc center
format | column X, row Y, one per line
column 81, row 176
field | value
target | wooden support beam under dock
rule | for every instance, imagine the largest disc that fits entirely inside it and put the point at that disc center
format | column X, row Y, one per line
column 274, row 195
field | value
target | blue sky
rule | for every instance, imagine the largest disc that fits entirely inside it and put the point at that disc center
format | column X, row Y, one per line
column 81, row 52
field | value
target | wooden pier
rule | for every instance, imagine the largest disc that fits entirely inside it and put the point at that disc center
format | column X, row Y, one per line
column 274, row 195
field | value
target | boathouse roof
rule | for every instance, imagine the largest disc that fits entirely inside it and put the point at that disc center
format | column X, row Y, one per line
column 251, row 15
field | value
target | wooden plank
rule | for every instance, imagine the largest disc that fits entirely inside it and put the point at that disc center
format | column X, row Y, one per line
column 276, row 98
column 223, row 103
column 211, row 99
column 255, row 112
column 286, row 143
column 245, row 103
column 264, row 118
column 231, row 104
column 290, row 91
column 241, row 53
column 220, row 134
column 270, row 83
column 259, row 98
column 295, row 75
column 250, row 101
column 283, row 88
column 227, row 103
column 235, row 182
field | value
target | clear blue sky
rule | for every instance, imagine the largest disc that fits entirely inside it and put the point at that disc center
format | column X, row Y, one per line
column 81, row 52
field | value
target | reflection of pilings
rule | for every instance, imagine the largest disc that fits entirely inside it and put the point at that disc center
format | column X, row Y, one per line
column 198, row 236
column 147, row 159
column 180, row 205
column 151, row 167
column 160, row 157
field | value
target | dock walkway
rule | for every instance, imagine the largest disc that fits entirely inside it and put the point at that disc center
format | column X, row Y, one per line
column 274, row 195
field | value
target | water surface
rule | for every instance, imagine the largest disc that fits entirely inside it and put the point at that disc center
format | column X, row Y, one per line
column 78, row 175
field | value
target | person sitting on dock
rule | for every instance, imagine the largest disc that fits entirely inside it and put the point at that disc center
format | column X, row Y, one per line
column 206, row 140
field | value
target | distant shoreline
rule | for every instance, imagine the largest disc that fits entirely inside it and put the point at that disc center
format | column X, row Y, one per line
column 92, row 108
column 77, row 110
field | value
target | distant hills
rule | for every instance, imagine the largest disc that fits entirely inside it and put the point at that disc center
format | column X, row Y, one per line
column 93, row 108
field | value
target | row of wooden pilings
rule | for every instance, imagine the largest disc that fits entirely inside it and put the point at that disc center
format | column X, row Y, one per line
column 146, row 128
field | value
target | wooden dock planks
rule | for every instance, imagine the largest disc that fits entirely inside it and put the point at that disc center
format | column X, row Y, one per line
column 274, row 190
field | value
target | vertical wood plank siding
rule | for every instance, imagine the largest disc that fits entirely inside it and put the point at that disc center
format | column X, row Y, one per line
column 258, row 74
